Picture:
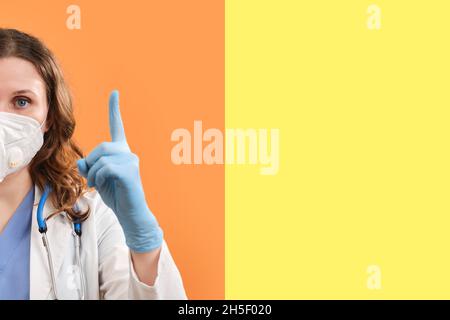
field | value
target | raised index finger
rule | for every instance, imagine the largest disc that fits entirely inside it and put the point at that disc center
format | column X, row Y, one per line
column 115, row 120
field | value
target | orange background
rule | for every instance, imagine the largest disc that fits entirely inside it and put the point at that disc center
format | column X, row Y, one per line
column 167, row 60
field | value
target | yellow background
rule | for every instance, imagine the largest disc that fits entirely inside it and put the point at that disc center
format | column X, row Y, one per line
column 364, row 137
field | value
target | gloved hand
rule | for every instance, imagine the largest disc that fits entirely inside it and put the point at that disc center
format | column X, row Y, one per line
column 114, row 171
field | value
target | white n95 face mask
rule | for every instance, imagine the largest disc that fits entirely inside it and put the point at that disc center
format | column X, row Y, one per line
column 20, row 139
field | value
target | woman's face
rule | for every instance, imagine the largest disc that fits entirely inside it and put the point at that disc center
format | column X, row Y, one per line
column 22, row 90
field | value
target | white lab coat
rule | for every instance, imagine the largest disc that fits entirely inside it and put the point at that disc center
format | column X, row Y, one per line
column 105, row 258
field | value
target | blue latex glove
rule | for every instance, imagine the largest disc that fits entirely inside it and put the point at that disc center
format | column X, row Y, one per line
column 114, row 171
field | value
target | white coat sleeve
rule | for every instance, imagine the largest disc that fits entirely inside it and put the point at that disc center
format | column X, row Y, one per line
column 117, row 278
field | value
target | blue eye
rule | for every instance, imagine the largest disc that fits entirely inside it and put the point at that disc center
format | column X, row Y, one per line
column 22, row 103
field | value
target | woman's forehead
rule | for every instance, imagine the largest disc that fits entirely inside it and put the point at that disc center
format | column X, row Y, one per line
column 19, row 75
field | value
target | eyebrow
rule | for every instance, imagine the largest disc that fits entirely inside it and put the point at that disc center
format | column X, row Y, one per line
column 24, row 91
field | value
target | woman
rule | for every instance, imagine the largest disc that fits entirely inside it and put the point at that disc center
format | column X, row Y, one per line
column 80, row 243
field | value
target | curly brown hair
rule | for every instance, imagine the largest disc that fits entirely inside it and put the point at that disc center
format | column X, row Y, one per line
column 55, row 163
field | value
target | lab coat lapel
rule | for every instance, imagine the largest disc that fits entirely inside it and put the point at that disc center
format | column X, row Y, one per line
column 59, row 232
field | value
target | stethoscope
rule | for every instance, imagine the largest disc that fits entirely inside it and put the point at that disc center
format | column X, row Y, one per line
column 76, row 232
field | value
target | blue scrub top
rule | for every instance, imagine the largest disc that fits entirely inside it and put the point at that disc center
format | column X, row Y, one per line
column 15, row 252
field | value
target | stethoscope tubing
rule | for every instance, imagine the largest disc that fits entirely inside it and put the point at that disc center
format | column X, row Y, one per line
column 42, row 225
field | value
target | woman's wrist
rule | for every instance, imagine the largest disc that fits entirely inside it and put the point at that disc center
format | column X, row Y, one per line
column 146, row 265
column 143, row 234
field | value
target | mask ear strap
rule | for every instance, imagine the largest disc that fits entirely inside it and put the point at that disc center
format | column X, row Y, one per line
column 42, row 124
